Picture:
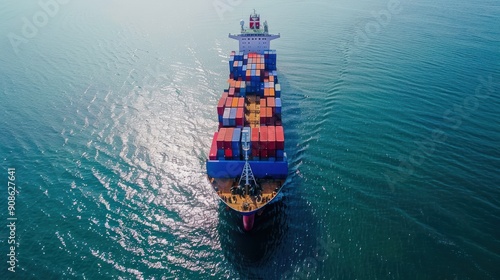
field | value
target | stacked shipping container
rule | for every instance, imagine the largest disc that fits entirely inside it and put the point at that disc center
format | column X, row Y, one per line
column 266, row 143
column 231, row 111
column 250, row 74
column 253, row 73
column 270, row 111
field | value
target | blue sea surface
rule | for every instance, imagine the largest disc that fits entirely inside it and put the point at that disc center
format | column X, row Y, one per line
column 391, row 112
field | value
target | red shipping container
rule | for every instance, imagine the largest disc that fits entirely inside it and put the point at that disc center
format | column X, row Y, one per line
column 228, row 137
column 271, row 138
column 239, row 117
column 228, row 153
column 220, row 138
column 241, row 102
column 271, row 153
column 255, row 138
column 213, row 149
column 255, row 152
column 229, row 102
column 225, row 94
column 231, row 91
column 263, row 137
column 263, row 153
column 263, row 103
column 220, row 106
column 280, row 138
column 271, row 102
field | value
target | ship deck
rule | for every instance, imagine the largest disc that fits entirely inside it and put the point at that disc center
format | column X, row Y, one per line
column 252, row 110
column 246, row 203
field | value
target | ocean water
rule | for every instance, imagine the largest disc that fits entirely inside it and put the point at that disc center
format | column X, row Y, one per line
column 391, row 114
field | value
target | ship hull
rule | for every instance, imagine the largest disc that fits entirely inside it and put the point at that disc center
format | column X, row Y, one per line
column 236, row 201
column 247, row 165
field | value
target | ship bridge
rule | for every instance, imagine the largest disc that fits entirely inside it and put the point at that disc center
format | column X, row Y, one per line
column 254, row 38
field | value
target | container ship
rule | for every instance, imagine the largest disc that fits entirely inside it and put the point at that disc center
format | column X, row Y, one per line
column 247, row 164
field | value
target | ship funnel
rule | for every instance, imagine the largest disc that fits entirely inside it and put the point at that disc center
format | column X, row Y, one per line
column 254, row 21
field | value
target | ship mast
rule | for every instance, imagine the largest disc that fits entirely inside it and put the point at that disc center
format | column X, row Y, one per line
column 247, row 170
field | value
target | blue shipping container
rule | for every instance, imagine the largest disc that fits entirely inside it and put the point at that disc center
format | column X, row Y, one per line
column 235, row 143
column 232, row 116
column 233, row 168
column 278, row 106
column 226, row 116
column 280, row 153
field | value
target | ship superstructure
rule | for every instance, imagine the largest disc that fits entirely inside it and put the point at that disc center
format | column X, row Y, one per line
column 254, row 38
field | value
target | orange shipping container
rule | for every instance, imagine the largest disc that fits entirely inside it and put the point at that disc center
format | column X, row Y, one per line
column 269, row 116
column 263, row 116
